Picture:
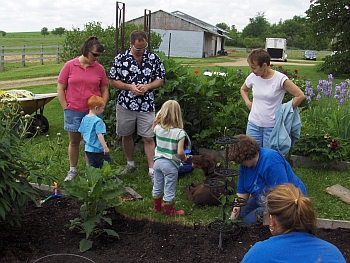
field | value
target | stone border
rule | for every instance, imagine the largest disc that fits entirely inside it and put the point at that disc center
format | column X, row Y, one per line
column 321, row 223
column 301, row 161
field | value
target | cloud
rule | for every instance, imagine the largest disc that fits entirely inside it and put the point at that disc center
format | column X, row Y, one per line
column 26, row 16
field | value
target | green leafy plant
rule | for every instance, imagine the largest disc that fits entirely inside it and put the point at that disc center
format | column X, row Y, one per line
column 326, row 122
column 16, row 164
column 210, row 104
column 98, row 191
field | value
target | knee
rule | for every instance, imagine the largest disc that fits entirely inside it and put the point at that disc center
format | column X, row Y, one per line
column 74, row 143
column 148, row 141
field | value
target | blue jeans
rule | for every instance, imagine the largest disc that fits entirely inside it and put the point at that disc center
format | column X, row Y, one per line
column 260, row 134
column 252, row 212
column 165, row 178
column 96, row 159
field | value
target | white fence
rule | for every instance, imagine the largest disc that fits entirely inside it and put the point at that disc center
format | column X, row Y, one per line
column 29, row 53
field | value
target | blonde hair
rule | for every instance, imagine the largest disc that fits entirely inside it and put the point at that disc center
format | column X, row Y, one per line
column 170, row 115
column 292, row 210
column 95, row 101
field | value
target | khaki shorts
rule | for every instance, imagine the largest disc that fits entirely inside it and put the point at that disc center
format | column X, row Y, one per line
column 128, row 120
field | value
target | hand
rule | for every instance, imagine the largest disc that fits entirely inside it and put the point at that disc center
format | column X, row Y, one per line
column 142, row 88
column 235, row 213
column 106, row 151
column 137, row 90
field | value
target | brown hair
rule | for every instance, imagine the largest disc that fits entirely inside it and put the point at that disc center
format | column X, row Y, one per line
column 243, row 150
column 138, row 35
column 292, row 210
column 89, row 44
column 259, row 55
column 95, row 101
column 170, row 115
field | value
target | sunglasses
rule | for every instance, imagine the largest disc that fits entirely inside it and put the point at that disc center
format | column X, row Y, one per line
column 95, row 54
column 140, row 49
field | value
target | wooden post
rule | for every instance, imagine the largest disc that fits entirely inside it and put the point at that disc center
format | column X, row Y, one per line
column 58, row 54
column 41, row 55
column 23, row 56
column 2, row 58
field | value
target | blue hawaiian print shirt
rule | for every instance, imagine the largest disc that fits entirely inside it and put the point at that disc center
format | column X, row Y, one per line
column 126, row 69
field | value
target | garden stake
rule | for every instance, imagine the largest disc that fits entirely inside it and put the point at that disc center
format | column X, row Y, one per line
column 223, row 227
column 54, row 196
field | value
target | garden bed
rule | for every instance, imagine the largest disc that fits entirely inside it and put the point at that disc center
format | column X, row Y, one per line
column 44, row 235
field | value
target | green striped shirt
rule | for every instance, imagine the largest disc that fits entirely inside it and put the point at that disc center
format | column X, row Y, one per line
column 167, row 142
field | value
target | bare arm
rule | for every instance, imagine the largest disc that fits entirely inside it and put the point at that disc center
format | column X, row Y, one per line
column 237, row 209
column 61, row 94
column 295, row 91
column 103, row 143
column 105, row 93
column 181, row 151
column 245, row 96
column 138, row 89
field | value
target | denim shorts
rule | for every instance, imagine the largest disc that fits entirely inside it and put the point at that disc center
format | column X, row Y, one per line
column 72, row 119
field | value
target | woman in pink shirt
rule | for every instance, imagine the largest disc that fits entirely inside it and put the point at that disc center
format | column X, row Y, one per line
column 79, row 79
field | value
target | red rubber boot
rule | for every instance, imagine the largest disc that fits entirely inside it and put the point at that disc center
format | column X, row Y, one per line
column 171, row 211
column 157, row 202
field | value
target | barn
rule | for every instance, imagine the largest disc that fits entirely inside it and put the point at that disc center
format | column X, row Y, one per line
column 185, row 36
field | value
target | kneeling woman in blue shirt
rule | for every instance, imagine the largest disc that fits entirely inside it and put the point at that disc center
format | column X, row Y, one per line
column 261, row 170
column 292, row 221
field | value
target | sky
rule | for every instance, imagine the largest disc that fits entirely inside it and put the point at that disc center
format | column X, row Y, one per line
column 33, row 15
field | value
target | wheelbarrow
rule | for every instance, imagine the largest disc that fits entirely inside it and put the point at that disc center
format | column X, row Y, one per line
column 34, row 105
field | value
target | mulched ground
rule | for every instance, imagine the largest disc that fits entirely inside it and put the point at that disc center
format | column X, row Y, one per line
column 43, row 238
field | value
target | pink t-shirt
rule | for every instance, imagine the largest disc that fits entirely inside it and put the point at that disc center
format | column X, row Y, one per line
column 82, row 83
column 267, row 96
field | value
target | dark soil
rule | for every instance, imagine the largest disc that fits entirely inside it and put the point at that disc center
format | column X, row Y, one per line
column 44, row 238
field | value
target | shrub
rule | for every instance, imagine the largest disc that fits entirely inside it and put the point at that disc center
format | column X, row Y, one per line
column 16, row 164
column 211, row 105
column 326, row 122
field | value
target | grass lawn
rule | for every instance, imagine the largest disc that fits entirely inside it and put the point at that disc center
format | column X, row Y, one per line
column 316, row 180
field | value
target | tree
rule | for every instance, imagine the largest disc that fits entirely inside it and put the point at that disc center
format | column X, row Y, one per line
column 223, row 26
column 3, row 33
column 258, row 27
column 58, row 31
column 44, row 31
column 232, row 33
column 331, row 20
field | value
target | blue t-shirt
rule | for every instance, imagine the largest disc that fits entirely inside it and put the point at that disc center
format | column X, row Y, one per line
column 298, row 247
column 272, row 169
column 89, row 128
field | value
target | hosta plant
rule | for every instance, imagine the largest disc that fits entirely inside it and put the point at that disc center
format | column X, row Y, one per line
column 98, row 191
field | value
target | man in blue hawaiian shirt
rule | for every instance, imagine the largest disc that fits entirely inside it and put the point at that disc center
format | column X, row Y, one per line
column 135, row 73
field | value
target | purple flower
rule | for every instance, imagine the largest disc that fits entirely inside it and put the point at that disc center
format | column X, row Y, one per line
column 330, row 77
